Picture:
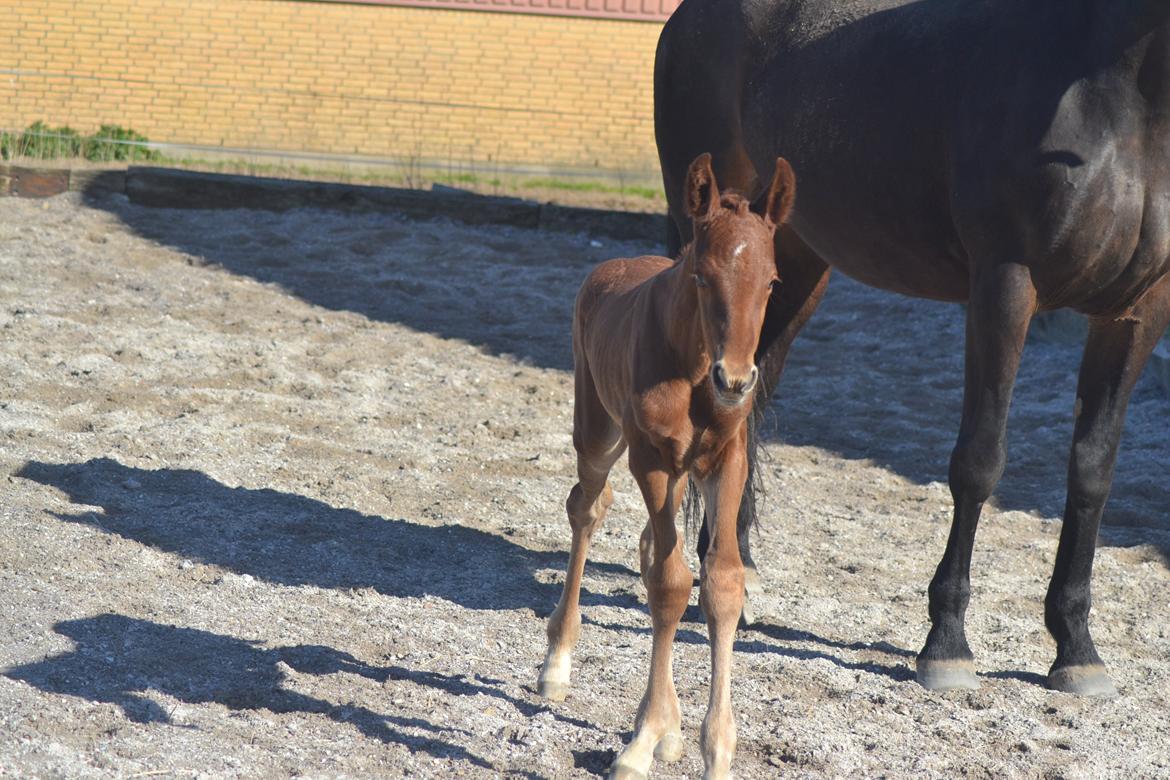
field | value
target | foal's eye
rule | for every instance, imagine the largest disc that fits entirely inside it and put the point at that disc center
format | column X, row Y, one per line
column 699, row 280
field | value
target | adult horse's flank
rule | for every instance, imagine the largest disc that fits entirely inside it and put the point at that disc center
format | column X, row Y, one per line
column 664, row 356
column 1014, row 154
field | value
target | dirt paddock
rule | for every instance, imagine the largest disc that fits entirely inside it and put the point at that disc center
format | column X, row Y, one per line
column 283, row 496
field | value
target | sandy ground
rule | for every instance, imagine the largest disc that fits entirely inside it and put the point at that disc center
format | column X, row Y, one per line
column 283, row 496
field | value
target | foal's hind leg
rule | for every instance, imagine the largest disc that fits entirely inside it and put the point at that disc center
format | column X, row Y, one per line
column 1115, row 353
column 599, row 444
column 657, row 729
column 1001, row 306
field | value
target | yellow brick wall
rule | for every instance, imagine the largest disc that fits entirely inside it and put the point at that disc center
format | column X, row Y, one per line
column 403, row 83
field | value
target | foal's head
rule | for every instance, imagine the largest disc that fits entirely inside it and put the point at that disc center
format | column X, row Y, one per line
column 734, row 268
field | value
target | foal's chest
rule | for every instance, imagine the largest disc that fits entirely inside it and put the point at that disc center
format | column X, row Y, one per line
column 687, row 431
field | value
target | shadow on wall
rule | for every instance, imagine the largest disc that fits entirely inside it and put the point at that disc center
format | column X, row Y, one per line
column 292, row 540
column 119, row 660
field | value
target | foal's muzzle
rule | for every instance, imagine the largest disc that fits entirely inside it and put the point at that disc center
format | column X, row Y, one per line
column 731, row 388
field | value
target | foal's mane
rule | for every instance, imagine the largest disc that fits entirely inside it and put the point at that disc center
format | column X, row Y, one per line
column 736, row 201
column 729, row 199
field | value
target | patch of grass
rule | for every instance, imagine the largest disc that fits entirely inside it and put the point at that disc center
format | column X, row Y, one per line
column 113, row 143
column 649, row 193
column 116, row 144
column 42, row 142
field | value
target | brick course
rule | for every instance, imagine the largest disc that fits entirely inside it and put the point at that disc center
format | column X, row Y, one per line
column 402, row 83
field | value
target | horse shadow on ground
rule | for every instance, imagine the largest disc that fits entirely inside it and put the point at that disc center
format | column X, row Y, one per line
column 292, row 540
column 789, row 643
column 873, row 376
column 119, row 660
column 483, row 285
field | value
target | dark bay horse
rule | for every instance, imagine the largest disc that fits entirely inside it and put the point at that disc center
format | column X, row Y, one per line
column 664, row 364
column 1012, row 154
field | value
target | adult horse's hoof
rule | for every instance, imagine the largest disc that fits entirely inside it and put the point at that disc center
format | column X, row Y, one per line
column 669, row 748
column 1083, row 681
column 552, row 690
column 947, row 675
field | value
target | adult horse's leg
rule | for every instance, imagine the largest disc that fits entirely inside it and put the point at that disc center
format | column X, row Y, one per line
column 658, row 727
column 1115, row 353
column 722, row 596
column 599, row 444
column 1001, row 305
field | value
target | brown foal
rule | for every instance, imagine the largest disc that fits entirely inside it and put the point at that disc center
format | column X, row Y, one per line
column 665, row 365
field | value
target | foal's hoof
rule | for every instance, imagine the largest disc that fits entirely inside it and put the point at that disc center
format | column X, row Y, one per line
column 947, row 675
column 1082, row 681
column 669, row 748
column 625, row 772
column 553, row 690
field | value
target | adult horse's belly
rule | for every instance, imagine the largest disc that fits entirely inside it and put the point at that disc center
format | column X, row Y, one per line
column 904, row 261
column 883, row 223
column 866, row 133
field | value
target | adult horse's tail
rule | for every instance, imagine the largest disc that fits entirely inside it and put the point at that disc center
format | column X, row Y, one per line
column 696, row 112
column 695, row 109
column 699, row 69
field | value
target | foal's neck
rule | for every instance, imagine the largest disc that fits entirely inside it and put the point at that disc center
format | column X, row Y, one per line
column 679, row 317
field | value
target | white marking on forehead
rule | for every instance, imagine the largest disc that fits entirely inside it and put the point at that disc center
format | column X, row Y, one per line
column 742, row 246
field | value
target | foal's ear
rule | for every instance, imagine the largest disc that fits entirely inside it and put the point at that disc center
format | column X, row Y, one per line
column 777, row 202
column 702, row 194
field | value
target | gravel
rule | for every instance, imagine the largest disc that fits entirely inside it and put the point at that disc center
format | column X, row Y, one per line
column 284, row 496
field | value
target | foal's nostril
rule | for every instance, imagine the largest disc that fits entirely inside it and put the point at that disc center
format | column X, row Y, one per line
column 733, row 386
column 719, row 377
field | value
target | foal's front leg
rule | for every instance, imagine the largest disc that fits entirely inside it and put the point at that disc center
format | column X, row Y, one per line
column 722, row 597
column 657, row 729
